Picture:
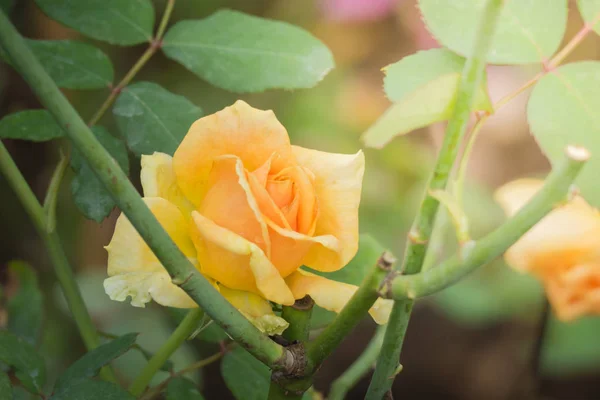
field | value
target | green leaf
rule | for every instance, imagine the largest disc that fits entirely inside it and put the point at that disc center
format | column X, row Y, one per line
column 528, row 31
column 34, row 125
column 182, row 388
column 423, row 87
column 7, row 5
column 571, row 348
column 89, row 193
column 25, row 359
column 114, row 21
column 563, row 110
column 6, row 392
column 89, row 365
column 153, row 119
column 242, row 53
column 25, row 306
column 245, row 376
column 89, row 389
column 590, row 12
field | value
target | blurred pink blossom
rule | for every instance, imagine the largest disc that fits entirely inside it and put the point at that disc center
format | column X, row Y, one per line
column 357, row 10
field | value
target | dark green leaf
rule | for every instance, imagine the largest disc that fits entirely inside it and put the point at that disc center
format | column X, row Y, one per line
column 89, row 389
column 114, row 21
column 25, row 306
column 34, row 125
column 153, row 119
column 6, row 392
column 89, row 365
column 245, row 376
column 212, row 333
column 243, row 53
column 89, row 193
column 6, row 5
column 182, row 388
column 25, row 359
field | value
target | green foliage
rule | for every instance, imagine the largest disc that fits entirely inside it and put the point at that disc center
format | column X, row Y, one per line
column 89, row 193
column 562, row 110
column 89, row 365
column 590, row 12
column 528, row 31
column 181, row 388
column 25, row 306
column 25, row 359
column 6, row 5
column 34, row 125
column 245, row 376
column 423, row 88
column 114, row 21
column 6, row 392
column 153, row 119
column 89, row 389
column 242, row 53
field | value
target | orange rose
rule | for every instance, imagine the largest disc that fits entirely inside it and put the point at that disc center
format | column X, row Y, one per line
column 248, row 209
column 562, row 250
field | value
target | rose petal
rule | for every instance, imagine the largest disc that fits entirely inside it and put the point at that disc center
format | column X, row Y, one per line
column 240, row 130
column 135, row 271
column 338, row 183
column 236, row 262
column 332, row 295
column 574, row 292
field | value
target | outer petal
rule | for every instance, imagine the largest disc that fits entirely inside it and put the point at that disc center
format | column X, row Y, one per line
column 575, row 291
column 333, row 295
column 257, row 310
column 236, row 262
column 240, row 130
column 338, row 184
column 569, row 235
column 135, row 271
column 158, row 180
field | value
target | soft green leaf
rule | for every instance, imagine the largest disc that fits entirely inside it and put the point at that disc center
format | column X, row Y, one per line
column 34, row 125
column 562, row 111
column 153, row 119
column 590, row 12
column 242, row 53
column 423, row 87
column 121, row 22
column 25, row 359
column 25, row 306
column 6, row 392
column 89, row 365
column 89, row 193
column 245, row 376
column 528, row 31
column 89, row 389
column 182, row 388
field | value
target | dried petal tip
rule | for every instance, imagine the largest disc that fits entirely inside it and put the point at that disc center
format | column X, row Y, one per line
column 386, row 261
column 578, row 153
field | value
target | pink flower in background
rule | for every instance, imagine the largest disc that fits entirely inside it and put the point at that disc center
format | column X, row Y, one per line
column 357, row 10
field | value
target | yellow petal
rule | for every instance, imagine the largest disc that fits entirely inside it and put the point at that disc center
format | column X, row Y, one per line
column 256, row 309
column 158, row 180
column 240, row 130
column 338, row 183
column 333, row 295
column 236, row 262
column 135, row 271
column 569, row 235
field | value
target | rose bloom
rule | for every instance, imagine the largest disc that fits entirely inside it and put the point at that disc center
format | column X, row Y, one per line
column 562, row 250
column 248, row 210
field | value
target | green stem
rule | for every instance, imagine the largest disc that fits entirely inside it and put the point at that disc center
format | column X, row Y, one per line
column 162, row 27
column 63, row 270
column 422, row 228
column 52, row 192
column 359, row 368
column 182, row 272
column 475, row 254
column 177, row 338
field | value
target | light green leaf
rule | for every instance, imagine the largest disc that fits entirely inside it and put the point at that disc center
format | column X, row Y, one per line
column 89, row 365
column 120, row 22
column 6, row 392
column 89, row 193
column 25, row 306
column 25, row 359
column 563, row 110
column 153, row 119
column 242, row 53
column 245, row 376
column 182, row 388
column 89, row 389
column 423, row 87
column 34, row 125
column 590, row 12
column 528, row 31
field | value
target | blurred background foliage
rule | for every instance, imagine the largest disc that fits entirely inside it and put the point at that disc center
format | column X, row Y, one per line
column 471, row 341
